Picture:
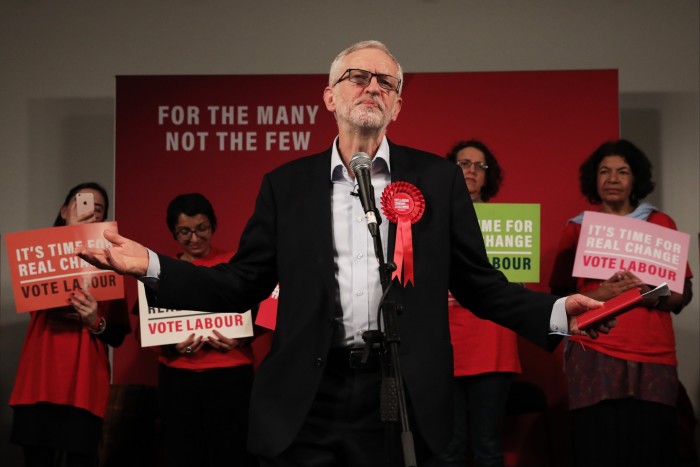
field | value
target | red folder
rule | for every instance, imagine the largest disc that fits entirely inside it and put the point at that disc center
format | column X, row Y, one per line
column 620, row 304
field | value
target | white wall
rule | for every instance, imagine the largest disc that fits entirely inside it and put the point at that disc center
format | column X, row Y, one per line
column 59, row 59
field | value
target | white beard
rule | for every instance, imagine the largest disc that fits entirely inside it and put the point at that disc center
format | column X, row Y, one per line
column 365, row 118
column 368, row 118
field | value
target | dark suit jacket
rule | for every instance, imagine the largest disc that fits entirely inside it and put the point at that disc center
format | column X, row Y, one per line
column 289, row 240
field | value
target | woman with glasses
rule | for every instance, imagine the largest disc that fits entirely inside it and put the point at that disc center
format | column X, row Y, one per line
column 204, row 384
column 623, row 387
column 486, row 355
column 62, row 383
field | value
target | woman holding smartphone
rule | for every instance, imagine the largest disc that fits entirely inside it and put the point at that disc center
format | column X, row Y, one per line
column 62, row 383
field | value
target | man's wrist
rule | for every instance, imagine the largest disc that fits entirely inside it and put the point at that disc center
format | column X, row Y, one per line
column 152, row 276
column 153, row 270
column 559, row 320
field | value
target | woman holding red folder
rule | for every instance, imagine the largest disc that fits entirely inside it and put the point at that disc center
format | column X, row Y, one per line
column 622, row 387
column 63, row 377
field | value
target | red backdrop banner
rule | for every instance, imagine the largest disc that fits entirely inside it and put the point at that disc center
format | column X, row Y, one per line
column 218, row 135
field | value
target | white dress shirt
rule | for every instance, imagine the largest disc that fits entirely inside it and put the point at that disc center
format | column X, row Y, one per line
column 357, row 266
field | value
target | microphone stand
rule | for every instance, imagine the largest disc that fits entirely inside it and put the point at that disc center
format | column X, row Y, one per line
column 392, row 399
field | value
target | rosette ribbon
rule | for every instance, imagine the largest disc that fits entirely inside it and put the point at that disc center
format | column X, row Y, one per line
column 403, row 204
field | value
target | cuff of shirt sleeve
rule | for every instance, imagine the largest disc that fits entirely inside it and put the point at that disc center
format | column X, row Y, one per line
column 559, row 321
column 153, row 272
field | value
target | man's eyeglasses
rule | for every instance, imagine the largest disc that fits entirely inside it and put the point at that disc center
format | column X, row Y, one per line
column 465, row 164
column 202, row 231
column 363, row 78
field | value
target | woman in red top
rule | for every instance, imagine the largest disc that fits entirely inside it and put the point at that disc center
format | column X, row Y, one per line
column 204, row 383
column 623, row 386
column 485, row 354
column 62, row 383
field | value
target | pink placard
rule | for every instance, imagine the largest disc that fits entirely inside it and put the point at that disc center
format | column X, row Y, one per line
column 610, row 243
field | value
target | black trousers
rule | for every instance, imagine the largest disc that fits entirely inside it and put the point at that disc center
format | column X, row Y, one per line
column 204, row 416
column 624, row 433
column 52, row 433
column 343, row 427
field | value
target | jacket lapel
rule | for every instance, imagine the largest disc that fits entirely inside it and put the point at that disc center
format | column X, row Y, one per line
column 318, row 188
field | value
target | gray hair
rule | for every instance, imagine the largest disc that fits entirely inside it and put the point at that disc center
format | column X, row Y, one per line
column 336, row 66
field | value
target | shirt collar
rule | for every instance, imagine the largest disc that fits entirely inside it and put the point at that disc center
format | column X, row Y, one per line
column 380, row 163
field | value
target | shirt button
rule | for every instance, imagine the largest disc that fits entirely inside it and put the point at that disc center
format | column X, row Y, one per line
column 360, row 332
column 359, row 293
column 359, row 256
column 358, row 219
column 319, row 362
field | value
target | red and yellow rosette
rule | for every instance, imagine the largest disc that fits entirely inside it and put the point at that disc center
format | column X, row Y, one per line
column 403, row 204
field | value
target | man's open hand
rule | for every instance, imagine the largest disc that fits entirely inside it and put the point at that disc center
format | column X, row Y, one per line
column 124, row 256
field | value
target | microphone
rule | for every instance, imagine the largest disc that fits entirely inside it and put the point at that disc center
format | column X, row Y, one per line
column 361, row 166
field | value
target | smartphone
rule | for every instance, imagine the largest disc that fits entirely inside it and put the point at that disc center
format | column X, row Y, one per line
column 85, row 203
